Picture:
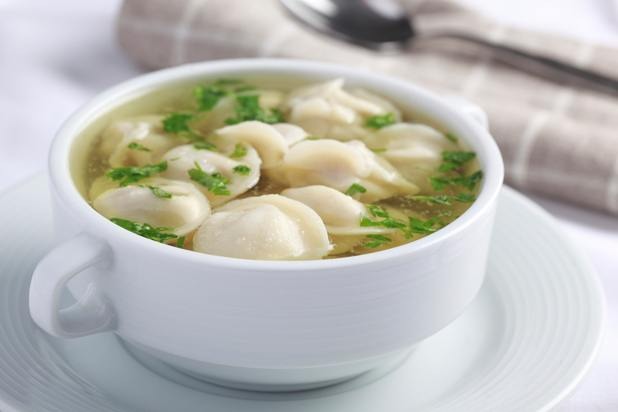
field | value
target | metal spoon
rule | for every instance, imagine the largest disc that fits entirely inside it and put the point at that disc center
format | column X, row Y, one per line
column 384, row 25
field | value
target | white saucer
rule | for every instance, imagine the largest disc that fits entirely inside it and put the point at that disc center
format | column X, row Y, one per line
column 522, row 346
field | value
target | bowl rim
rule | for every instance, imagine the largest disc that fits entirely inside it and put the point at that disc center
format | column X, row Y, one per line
column 68, row 195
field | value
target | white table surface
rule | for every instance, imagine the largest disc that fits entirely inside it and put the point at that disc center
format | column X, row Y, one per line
column 56, row 55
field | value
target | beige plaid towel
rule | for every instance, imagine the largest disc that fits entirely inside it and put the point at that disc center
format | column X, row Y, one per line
column 556, row 140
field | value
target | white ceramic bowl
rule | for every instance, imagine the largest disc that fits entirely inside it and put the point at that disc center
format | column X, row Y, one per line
column 273, row 325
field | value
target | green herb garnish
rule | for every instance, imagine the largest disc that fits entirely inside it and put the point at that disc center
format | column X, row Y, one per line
column 379, row 150
column 354, row 189
column 138, row 146
column 216, row 183
column 239, row 151
column 423, row 227
column 377, row 211
column 445, row 200
column 207, row 97
column 469, row 182
column 380, row 121
column 160, row 193
column 158, row 234
column 388, row 222
column 455, row 159
column 374, row 241
column 312, row 138
column 242, row 170
column 177, row 122
column 204, row 145
column 248, row 108
column 180, row 242
column 128, row 175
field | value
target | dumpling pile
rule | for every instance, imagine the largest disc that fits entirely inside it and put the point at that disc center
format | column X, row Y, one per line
column 265, row 174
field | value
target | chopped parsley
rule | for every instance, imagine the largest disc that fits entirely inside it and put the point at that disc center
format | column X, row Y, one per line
column 452, row 171
column 312, row 138
column 388, row 222
column 242, row 170
column 160, row 193
column 469, row 181
column 158, row 234
column 177, row 122
column 450, row 136
column 248, row 108
column 422, row 227
column 180, row 242
column 204, row 145
column 207, row 97
column 127, row 175
column 180, row 125
column 445, row 200
column 239, row 151
column 374, row 241
column 379, row 150
column 216, row 183
column 455, row 159
column 377, row 211
column 409, row 228
column 354, row 189
column 380, row 121
column 138, row 146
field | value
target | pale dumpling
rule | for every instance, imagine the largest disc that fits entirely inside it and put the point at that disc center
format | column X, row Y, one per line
column 268, row 227
column 340, row 165
column 226, row 109
column 291, row 133
column 215, row 118
column 415, row 150
column 135, row 141
column 182, row 211
column 182, row 159
column 327, row 110
column 340, row 213
column 270, row 141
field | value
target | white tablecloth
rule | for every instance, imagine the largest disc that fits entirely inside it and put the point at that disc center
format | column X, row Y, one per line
column 56, row 55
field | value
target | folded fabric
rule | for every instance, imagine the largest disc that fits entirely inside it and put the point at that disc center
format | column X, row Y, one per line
column 556, row 139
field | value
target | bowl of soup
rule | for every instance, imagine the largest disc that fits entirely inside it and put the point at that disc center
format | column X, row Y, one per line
column 267, row 224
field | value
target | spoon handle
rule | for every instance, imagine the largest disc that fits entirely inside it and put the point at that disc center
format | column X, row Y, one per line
column 540, row 64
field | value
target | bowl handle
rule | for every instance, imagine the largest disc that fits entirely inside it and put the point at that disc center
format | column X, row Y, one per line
column 92, row 313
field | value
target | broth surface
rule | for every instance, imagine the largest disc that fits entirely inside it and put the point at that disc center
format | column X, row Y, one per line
column 191, row 166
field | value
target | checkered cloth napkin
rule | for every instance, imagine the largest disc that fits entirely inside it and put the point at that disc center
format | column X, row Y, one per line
column 556, row 139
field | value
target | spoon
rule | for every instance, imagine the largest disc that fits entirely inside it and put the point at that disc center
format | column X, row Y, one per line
column 384, row 25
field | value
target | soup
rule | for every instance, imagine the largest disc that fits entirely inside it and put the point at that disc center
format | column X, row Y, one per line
column 311, row 172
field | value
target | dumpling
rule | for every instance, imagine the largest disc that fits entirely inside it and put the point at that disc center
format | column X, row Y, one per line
column 291, row 133
column 226, row 109
column 269, row 99
column 415, row 150
column 270, row 141
column 327, row 110
column 215, row 118
column 339, row 165
column 236, row 175
column 137, row 141
column 340, row 213
column 269, row 227
column 183, row 210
